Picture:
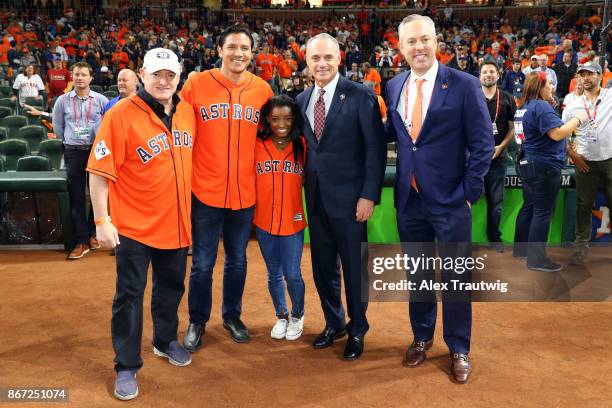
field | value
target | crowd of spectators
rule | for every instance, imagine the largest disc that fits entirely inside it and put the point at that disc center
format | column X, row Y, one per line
column 57, row 37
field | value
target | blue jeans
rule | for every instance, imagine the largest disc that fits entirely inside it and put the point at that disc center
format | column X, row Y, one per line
column 494, row 192
column 207, row 224
column 283, row 255
column 541, row 184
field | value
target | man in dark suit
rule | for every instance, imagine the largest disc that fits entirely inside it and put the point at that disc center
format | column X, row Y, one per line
column 440, row 120
column 345, row 165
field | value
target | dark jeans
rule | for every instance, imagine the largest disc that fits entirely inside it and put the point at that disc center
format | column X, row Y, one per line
column 83, row 227
column 169, row 267
column 283, row 255
column 599, row 175
column 494, row 193
column 541, row 184
column 207, row 225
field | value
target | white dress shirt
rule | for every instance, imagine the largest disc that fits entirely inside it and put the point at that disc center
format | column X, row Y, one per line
column 427, row 89
column 327, row 97
column 595, row 144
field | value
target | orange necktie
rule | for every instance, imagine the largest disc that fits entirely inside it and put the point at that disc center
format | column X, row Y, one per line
column 417, row 120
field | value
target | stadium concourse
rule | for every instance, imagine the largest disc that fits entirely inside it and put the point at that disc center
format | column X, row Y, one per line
column 55, row 333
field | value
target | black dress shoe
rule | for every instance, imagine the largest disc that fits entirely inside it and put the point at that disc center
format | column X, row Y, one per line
column 354, row 348
column 193, row 337
column 327, row 336
column 238, row 331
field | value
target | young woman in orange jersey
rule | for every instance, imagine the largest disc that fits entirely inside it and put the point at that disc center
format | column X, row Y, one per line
column 279, row 214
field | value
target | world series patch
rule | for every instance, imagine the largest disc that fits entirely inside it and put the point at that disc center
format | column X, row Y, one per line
column 101, row 150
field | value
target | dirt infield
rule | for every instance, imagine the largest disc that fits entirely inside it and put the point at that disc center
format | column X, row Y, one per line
column 55, row 330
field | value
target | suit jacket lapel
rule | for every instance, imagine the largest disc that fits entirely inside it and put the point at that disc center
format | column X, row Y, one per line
column 440, row 91
column 397, row 92
column 337, row 101
column 308, row 131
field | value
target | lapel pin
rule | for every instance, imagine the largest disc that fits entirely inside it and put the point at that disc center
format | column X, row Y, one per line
column 444, row 85
column 342, row 96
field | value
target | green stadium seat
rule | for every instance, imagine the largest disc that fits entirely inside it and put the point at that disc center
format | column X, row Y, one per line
column 52, row 104
column 3, row 133
column 2, row 166
column 37, row 103
column 33, row 120
column 111, row 94
column 113, row 88
column 53, row 149
column 33, row 134
column 8, row 103
column 12, row 150
column 96, row 88
column 4, row 112
column 33, row 163
column 5, row 91
column 13, row 123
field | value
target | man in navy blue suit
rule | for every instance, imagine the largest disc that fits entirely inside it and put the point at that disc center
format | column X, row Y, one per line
column 439, row 118
column 345, row 166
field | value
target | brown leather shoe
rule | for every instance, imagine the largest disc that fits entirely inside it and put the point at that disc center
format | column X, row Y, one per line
column 416, row 353
column 93, row 244
column 461, row 367
column 79, row 251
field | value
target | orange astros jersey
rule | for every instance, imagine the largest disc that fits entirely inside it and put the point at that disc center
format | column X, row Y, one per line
column 279, row 209
column 149, row 167
column 227, row 116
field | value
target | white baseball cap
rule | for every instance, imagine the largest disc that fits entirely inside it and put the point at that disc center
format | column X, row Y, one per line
column 161, row 58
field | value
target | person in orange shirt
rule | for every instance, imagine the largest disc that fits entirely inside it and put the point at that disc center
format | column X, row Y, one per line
column 381, row 102
column 372, row 75
column 267, row 63
column 227, row 103
column 141, row 163
column 279, row 214
column 4, row 48
column 120, row 58
column 286, row 67
column 443, row 55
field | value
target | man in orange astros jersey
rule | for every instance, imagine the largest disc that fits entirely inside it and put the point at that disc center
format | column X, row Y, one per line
column 141, row 163
column 226, row 102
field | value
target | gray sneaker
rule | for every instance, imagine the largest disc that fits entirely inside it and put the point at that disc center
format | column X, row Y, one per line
column 126, row 386
column 175, row 353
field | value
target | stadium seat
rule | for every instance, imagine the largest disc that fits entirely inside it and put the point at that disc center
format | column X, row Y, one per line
column 113, row 88
column 4, row 112
column 33, row 134
column 5, row 91
column 37, row 103
column 3, row 133
column 8, row 103
column 53, row 149
column 13, row 123
column 2, row 166
column 52, row 104
column 110, row 94
column 33, row 163
column 12, row 150
column 33, row 120
column 96, row 88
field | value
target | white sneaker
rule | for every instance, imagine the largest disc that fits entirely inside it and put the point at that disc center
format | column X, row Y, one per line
column 295, row 328
column 279, row 330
